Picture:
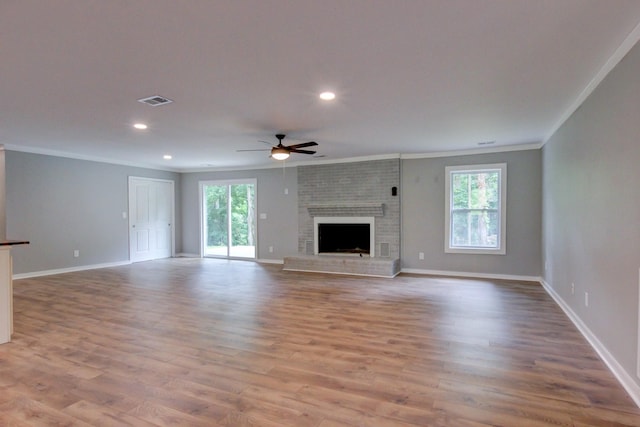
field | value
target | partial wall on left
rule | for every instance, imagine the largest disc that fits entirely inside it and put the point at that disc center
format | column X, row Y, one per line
column 71, row 211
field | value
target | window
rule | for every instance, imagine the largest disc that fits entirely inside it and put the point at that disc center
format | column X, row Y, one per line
column 476, row 199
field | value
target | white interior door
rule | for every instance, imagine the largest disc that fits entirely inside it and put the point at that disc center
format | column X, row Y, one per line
column 150, row 219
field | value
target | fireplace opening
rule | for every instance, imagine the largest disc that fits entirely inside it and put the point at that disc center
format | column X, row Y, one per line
column 344, row 238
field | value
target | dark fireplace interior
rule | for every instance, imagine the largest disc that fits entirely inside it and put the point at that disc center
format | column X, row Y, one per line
column 344, row 238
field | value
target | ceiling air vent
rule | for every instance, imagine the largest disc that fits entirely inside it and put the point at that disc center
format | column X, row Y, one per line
column 155, row 100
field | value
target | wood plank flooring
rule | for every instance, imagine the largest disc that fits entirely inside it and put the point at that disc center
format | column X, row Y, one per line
column 191, row 342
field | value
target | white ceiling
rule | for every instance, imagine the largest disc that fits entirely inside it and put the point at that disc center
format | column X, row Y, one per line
column 411, row 76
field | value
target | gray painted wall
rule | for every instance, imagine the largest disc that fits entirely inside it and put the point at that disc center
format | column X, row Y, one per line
column 423, row 215
column 591, row 211
column 62, row 204
column 279, row 230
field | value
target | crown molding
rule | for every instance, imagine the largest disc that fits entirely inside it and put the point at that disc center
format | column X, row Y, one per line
column 472, row 152
column 628, row 43
column 66, row 155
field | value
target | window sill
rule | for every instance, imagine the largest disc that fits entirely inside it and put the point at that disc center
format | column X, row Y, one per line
column 475, row 251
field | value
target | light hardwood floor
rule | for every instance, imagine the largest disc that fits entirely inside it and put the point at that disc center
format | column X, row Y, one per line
column 228, row 343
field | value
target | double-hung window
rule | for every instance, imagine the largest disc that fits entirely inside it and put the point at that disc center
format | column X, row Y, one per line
column 476, row 198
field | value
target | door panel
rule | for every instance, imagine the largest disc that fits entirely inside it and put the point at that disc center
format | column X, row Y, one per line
column 142, row 240
column 163, row 220
column 215, row 227
column 140, row 199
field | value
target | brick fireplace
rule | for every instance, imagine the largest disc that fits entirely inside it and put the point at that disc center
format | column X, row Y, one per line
column 347, row 193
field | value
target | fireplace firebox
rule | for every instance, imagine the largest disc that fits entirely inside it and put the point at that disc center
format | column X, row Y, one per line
column 344, row 236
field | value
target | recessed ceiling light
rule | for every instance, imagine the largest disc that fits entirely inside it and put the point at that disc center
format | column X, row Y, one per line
column 140, row 126
column 327, row 96
column 167, row 157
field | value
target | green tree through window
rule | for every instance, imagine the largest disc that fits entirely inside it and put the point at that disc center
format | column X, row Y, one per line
column 217, row 230
column 229, row 219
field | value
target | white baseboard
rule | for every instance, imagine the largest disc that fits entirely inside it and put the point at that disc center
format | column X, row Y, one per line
column 614, row 366
column 536, row 279
column 68, row 270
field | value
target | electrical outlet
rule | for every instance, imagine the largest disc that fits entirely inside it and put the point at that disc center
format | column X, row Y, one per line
column 421, row 255
column 573, row 288
column 586, row 299
column 286, row 191
column 76, row 253
column 271, row 249
column 546, row 265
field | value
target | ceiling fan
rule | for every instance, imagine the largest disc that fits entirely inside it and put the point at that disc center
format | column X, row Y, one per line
column 282, row 152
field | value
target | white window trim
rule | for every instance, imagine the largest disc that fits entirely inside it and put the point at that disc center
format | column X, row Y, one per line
column 502, row 249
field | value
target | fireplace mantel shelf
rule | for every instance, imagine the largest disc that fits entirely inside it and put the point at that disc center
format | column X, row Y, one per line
column 360, row 209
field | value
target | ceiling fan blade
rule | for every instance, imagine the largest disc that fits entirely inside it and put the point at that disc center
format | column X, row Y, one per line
column 304, row 144
column 301, row 151
column 260, row 149
column 282, row 150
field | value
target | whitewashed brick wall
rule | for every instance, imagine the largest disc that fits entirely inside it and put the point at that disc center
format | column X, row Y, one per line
column 354, row 183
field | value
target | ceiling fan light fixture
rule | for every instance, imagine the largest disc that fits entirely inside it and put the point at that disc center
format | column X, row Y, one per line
column 279, row 153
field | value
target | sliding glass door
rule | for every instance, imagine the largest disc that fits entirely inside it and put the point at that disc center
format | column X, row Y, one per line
column 229, row 218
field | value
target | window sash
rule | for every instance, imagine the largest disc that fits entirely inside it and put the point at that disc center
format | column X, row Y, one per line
column 467, row 221
column 476, row 222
